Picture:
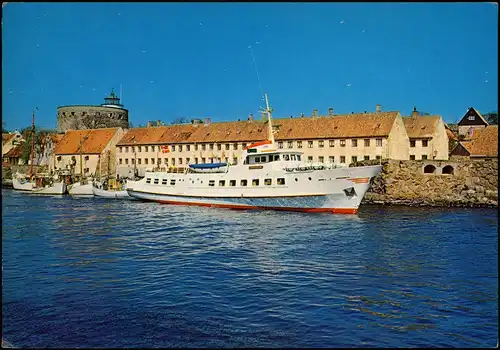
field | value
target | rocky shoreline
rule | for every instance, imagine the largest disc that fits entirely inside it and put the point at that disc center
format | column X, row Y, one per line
column 374, row 198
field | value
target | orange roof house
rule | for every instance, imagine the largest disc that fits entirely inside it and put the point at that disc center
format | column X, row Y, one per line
column 482, row 144
column 91, row 141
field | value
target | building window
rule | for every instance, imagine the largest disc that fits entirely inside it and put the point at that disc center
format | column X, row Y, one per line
column 280, row 144
column 203, row 147
column 232, row 183
column 145, row 148
column 235, row 146
column 243, row 183
column 173, row 161
column 281, row 181
column 290, row 144
column 378, row 157
column 321, row 143
column 354, row 142
column 211, row 146
column 379, row 142
column 119, row 149
column 424, row 156
column 342, row 159
column 299, row 144
column 203, row 159
column 354, row 159
column 126, row 149
column 268, row 182
column 180, row 161
column 180, row 148
column 331, row 143
column 126, row 161
column 243, row 145
column 367, row 142
column 227, row 146
column 138, row 148
column 195, row 147
column 412, row 143
column 219, row 147
column 120, row 161
column 145, row 161
column 367, row 157
column 321, row 159
column 158, row 161
column 133, row 149
column 310, row 159
column 235, row 161
column 255, row 182
column 309, row 144
column 153, row 149
column 152, row 160
column 188, row 148
column 86, row 157
column 424, row 143
column 188, row 160
column 133, row 161
column 139, row 161
column 165, row 161
column 342, row 143
column 222, row 183
column 412, row 157
column 471, row 117
column 331, row 159
column 196, row 160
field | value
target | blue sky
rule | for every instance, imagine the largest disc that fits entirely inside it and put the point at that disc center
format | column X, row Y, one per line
column 192, row 59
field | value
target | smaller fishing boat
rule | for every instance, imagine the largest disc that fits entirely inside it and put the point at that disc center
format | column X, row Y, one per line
column 38, row 184
column 111, row 189
column 81, row 188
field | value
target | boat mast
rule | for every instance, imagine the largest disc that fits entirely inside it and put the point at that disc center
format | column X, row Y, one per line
column 32, row 143
column 81, row 159
column 269, row 121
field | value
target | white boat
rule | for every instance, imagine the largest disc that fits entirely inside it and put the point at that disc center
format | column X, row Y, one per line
column 38, row 185
column 265, row 177
column 99, row 192
column 81, row 189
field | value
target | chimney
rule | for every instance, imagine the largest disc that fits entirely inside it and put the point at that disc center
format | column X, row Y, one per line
column 250, row 117
column 414, row 114
column 330, row 112
column 378, row 108
column 315, row 112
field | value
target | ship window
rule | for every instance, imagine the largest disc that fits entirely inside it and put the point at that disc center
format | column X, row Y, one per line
column 298, row 157
column 268, row 182
column 222, row 183
column 287, row 157
column 243, row 182
column 164, row 181
column 257, row 160
column 148, row 181
column 263, row 159
column 255, row 182
column 172, row 182
column 281, row 181
column 156, row 181
column 232, row 183
column 292, row 157
column 211, row 183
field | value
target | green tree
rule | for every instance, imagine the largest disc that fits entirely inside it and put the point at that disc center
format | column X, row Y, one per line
column 492, row 118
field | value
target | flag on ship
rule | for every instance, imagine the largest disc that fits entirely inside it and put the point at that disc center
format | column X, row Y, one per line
column 165, row 149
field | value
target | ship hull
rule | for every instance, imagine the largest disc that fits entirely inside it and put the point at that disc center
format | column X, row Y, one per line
column 98, row 192
column 58, row 188
column 331, row 190
column 78, row 189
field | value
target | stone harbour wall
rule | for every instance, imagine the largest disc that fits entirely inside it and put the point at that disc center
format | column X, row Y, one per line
column 456, row 182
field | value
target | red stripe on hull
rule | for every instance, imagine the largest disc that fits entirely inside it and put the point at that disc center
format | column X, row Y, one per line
column 241, row 207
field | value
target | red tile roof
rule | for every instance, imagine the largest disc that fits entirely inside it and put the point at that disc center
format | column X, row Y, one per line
column 484, row 142
column 421, row 126
column 94, row 141
column 339, row 126
column 14, row 152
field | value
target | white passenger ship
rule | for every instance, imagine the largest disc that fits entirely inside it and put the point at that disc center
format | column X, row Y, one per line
column 264, row 178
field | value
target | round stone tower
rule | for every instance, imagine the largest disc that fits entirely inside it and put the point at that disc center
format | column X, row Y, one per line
column 107, row 115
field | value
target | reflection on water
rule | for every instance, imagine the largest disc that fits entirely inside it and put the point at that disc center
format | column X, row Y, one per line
column 104, row 273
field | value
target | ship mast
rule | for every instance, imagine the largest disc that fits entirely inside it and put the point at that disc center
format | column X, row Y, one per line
column 32, row 143
column 270, row 135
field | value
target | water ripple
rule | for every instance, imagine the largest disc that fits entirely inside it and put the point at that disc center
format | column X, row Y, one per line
column 84, row 272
